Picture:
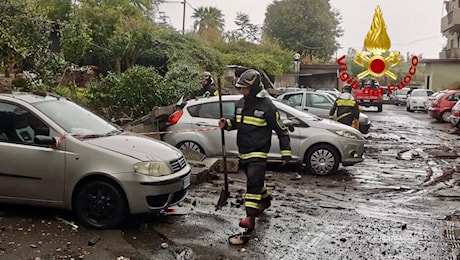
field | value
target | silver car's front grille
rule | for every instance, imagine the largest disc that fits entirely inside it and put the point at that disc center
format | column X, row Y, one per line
column 178, row 164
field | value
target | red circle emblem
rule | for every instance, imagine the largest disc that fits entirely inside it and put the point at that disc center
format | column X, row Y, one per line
column 377, row 66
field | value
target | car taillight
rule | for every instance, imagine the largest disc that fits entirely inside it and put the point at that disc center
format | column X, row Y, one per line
column 457, row 113
column 174, row 117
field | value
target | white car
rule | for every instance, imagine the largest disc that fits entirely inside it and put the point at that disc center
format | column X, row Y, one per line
column 418, row 99
column 455, row 115
column 320, row 144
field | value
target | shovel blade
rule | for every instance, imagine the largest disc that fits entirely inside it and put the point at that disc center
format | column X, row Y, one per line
column 222, row 199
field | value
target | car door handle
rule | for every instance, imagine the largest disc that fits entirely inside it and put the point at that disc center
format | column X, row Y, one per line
column 203, row 124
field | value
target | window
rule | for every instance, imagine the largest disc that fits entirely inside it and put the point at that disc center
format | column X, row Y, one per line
column 293, row 100
column 19, row 125
column 211, row 110
column 319, row 101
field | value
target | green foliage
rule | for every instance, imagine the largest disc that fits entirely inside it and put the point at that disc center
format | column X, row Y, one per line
column 309, row 27
column 268, row 56
column 209, row 23
column 24, row 37
column 136, row 91
column 75, row 39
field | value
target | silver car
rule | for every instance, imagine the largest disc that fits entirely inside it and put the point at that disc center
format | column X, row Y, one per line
column 320, row 144
column 418, row 100
column 319, row 103
column 56, row 153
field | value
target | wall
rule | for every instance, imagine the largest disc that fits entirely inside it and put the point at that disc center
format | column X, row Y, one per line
column 443, row 75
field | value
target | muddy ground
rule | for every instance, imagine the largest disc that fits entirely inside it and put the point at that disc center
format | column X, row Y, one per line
column 402, row 202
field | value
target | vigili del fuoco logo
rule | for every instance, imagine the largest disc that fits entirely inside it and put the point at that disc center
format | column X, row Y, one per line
column 377, row 62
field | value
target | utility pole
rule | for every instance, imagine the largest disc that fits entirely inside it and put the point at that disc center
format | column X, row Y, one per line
column 183, row 18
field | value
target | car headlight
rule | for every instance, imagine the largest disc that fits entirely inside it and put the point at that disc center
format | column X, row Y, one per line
column 346, row 134
column 156, row 169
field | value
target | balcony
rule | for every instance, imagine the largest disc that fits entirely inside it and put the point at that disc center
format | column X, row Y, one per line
column 451, row 22
column 452, row 53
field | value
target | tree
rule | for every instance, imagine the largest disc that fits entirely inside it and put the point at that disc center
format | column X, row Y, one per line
column 309, row 27
column 23, row 37
column 209, row 23
column 246, row 31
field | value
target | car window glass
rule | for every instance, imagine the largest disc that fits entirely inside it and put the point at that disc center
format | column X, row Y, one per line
column 295, row 121
column 429, row 93
column 319, row 101
column 19, row 125
column 294, row 100
column 212, row 110
column 418, row 94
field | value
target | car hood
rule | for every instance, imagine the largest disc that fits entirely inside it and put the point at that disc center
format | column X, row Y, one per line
column 333, row 125
column 137, row 146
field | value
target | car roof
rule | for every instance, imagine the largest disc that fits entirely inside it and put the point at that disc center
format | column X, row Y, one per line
column 31, row 97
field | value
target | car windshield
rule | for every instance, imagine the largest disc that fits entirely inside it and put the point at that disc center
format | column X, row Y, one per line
column 403, row 91
column 74, row 118
column 418, row 94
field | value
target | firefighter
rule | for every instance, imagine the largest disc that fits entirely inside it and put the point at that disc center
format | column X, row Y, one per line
column 255, row 118
column 346, row 106
column 208, row 88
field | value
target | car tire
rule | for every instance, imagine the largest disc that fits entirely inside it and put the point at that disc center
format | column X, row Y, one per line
column 322, row 159
column 408, row 109
column 100, row 205
column 445, row 116
column 190, row 145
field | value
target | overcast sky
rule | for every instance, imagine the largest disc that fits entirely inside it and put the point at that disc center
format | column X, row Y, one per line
column 412, row 25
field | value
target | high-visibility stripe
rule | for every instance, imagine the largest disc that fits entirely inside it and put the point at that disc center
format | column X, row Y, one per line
column 253, row 155
column 249, row 204
column 279, row 122
column 265, row 193
column 249, row 196
column 250, row 120
column 216, row 93
column 229, row 124
column 346, row 103
column 286, row 153
column 343, row 115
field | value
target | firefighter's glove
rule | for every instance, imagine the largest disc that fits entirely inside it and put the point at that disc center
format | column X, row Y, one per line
column 222, row 123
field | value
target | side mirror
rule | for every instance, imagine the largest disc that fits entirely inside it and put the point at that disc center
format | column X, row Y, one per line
column 45, row 140
column 289, row 124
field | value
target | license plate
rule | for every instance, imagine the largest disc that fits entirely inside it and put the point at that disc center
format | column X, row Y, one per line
column 367, row 100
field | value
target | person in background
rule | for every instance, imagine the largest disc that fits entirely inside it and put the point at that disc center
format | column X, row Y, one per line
column 208, row 88
column 255, row 119
column 346, row 107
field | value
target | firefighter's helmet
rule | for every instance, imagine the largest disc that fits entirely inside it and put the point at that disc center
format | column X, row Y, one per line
column 251, row 79
column 346, row 88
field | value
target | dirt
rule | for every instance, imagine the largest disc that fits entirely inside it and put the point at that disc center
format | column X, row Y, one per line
column 402, row 202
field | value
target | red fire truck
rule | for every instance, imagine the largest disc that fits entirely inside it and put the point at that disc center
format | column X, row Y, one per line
column 369, row 94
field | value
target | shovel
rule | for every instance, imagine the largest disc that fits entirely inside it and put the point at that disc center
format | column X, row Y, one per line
column 225, row 193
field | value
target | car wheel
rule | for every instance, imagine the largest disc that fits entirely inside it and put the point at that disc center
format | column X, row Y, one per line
column 379, row 108
column 190, row 145
column 322, row 159
column 100, row 205
column 445, row 116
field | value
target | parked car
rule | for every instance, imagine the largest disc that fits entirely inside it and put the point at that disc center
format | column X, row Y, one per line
column 56, row 153
column 400, row 96
column 441, row 108
column 418, row 99
column 319, row 104
column 455, row 115
column 432, row 98
column 320, row 144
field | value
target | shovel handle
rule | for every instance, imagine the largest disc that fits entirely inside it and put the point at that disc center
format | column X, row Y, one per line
column 224, row 156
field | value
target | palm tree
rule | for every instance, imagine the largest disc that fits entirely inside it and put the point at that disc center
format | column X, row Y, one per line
column 209, row 22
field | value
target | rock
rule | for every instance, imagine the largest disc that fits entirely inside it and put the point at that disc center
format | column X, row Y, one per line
column 94, row 240
column 164, row 245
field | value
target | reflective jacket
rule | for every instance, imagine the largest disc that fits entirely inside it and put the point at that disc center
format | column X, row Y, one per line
column 347, row 109
column 209, row 90
column 255, row 121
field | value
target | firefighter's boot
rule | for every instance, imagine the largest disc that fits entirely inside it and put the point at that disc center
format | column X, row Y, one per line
column 249, row 221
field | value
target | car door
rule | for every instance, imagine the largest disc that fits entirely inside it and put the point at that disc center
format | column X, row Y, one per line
column 207, row 116
column 28, row 171
column 295, row 138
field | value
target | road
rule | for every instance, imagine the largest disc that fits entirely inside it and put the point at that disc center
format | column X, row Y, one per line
column 402, row 202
